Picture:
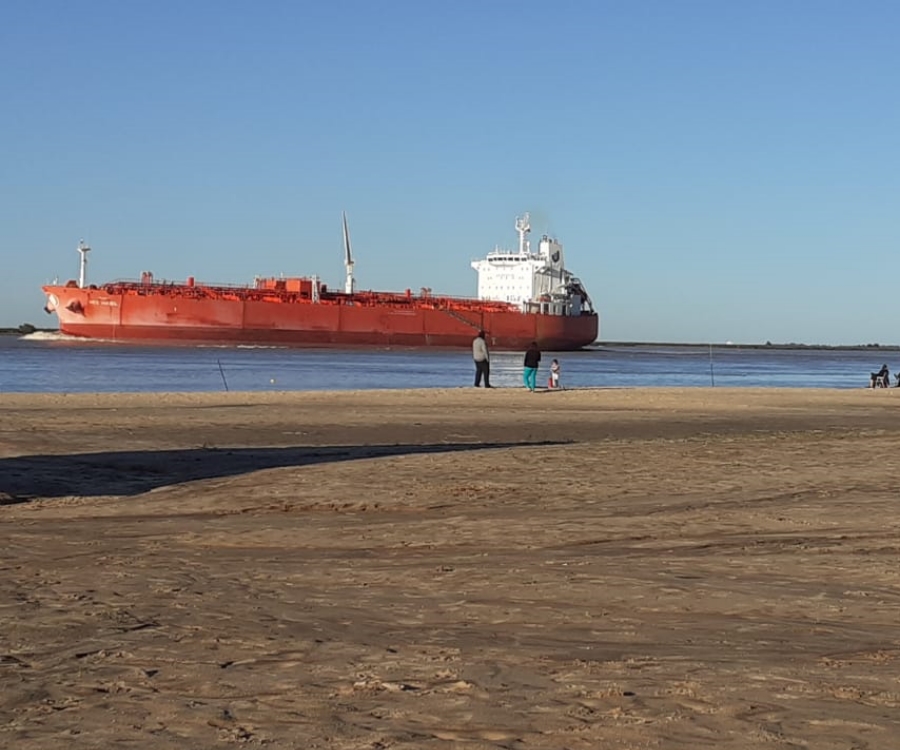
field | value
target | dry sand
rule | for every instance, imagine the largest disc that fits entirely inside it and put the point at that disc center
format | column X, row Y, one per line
column 703, row 568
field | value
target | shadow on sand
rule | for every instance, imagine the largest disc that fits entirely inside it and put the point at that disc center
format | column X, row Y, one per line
column 25, row 478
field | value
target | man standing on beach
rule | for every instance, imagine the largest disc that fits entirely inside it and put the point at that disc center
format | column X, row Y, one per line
column 482, row 360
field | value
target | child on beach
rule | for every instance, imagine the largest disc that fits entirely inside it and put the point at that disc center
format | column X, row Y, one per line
column 554, row 374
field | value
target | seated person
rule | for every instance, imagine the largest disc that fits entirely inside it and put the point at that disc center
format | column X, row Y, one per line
column 880, row 379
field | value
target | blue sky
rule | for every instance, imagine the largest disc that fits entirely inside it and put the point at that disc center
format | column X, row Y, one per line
column 716, row 171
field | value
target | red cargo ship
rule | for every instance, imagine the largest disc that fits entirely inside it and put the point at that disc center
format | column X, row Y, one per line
column 522, row 297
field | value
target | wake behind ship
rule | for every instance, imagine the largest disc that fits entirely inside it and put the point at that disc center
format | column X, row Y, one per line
column 523, row 296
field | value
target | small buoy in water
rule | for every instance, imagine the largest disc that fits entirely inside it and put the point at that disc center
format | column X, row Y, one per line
column 272, row 381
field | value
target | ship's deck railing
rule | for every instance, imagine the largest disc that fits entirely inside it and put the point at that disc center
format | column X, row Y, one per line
column 235, row 292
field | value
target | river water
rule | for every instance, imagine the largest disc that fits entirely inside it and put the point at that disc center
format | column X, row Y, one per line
column 51, row 363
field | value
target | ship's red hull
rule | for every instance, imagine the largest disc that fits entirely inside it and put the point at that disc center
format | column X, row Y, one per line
column 158, row 313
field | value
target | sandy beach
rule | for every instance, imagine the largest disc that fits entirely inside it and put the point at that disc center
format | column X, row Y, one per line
column 647, row 568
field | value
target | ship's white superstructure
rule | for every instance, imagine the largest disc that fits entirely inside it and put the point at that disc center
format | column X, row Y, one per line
column 538, row 282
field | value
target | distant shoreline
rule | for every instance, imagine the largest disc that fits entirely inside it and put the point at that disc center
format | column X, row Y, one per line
column 600, row 345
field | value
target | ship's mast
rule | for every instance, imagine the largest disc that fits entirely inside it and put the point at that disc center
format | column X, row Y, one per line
column 84, row 250
column 523, row 227
column 350, row 283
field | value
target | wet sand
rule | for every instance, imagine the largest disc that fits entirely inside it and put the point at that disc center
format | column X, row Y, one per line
column 655, row 568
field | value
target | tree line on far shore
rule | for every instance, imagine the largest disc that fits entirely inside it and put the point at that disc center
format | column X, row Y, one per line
column 23, row 329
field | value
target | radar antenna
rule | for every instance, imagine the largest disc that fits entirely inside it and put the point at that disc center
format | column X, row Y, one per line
column 523, row 227
column 350, row 283
column 84, row 250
